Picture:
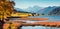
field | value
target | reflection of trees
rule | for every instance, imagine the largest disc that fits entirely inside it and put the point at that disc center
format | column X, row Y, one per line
column 43, row 14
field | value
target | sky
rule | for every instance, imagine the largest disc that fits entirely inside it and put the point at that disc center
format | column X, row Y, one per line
column 30, row 3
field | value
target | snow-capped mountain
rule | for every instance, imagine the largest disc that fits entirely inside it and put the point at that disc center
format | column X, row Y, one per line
column 39, row 10
column 33, row 9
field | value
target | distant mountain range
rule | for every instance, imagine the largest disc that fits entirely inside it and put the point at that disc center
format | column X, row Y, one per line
column 33, row 9
column 55, row 11
column 46, row 10
column 41, row 10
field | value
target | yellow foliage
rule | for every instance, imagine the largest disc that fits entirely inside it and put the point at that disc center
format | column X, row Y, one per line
column 6, row 8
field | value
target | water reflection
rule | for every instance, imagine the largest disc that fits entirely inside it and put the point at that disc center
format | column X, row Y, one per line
column 30, row 27
column 51, row 18
column 38, row 27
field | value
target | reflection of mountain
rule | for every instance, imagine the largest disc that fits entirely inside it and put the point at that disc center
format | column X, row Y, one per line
column 55, row 11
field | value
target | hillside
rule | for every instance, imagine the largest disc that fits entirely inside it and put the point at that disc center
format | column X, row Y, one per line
column 56, row 11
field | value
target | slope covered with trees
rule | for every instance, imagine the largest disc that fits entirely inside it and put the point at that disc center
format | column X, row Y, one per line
column 56, row 11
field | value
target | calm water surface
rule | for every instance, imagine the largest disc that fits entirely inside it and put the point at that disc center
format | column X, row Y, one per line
column 51, row 18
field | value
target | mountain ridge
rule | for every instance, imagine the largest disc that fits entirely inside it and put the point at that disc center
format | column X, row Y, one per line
column 38, row 10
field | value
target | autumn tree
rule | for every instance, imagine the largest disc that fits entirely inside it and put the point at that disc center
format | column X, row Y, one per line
column 6, row 9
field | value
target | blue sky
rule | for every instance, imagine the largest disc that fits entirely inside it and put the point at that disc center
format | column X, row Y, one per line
column 31, row 3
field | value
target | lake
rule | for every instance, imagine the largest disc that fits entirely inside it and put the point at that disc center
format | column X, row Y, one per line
column 51, row 18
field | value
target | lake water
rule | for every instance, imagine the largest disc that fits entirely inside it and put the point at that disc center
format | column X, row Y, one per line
column 51, row 18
